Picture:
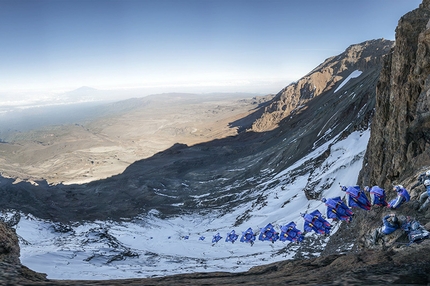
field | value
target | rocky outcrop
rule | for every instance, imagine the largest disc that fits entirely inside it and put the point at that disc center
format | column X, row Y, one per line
column 400, row 135
column 365, row 57
column 11, row 270
column 9, row 249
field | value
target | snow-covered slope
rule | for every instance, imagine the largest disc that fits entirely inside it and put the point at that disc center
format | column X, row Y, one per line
column 149, row 246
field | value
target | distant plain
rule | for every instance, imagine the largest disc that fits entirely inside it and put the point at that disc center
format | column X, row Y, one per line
column 83, row 142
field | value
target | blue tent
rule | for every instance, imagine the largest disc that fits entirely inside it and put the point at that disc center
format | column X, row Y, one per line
column 378, row 195
column 268, row 233
column 202, row 237
column 232, row 236
column 248, row 236
column 216, row 238
column 356, row 197
column 314, row 221
column 291, row 233
column 337, row 209
column 402, row 197
column 415, row 231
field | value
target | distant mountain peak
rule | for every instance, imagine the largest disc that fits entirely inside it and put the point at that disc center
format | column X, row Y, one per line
column 82, row 94
column 83, row 89
column 365, row 57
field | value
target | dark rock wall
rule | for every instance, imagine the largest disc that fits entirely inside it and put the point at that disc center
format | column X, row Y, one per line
column 9, row 249
column 400, row 135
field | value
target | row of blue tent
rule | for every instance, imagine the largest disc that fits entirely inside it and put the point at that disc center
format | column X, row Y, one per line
column 337, row 210
column 357, row 198
column 289, row 232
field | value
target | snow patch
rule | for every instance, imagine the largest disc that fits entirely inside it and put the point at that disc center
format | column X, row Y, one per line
column 354, row 74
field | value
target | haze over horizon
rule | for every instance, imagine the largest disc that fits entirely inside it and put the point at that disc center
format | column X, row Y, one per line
column 180, row 46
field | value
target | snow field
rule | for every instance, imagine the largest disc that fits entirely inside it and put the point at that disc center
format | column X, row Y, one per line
column 148, row 246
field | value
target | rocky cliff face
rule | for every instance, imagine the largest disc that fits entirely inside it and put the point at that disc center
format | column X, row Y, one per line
column 365, row 57
column 398, row 148
column 400, row 136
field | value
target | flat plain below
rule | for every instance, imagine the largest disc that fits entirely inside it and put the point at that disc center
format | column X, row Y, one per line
column 105, row 142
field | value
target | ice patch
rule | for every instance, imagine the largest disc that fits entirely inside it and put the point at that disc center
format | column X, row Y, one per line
column 354, row 74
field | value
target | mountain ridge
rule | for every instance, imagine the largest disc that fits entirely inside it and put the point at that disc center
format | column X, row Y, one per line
column 325, row 77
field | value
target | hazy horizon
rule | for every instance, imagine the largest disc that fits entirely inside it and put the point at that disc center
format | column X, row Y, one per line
column 51, row 47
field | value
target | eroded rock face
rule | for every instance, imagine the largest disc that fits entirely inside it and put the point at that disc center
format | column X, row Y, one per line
column 364, row 57
column 9, row 249
column 400, row 136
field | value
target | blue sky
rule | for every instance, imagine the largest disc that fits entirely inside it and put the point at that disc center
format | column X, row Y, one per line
column 200, row 45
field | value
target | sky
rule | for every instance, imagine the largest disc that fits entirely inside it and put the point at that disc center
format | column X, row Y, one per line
column 179, row 45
